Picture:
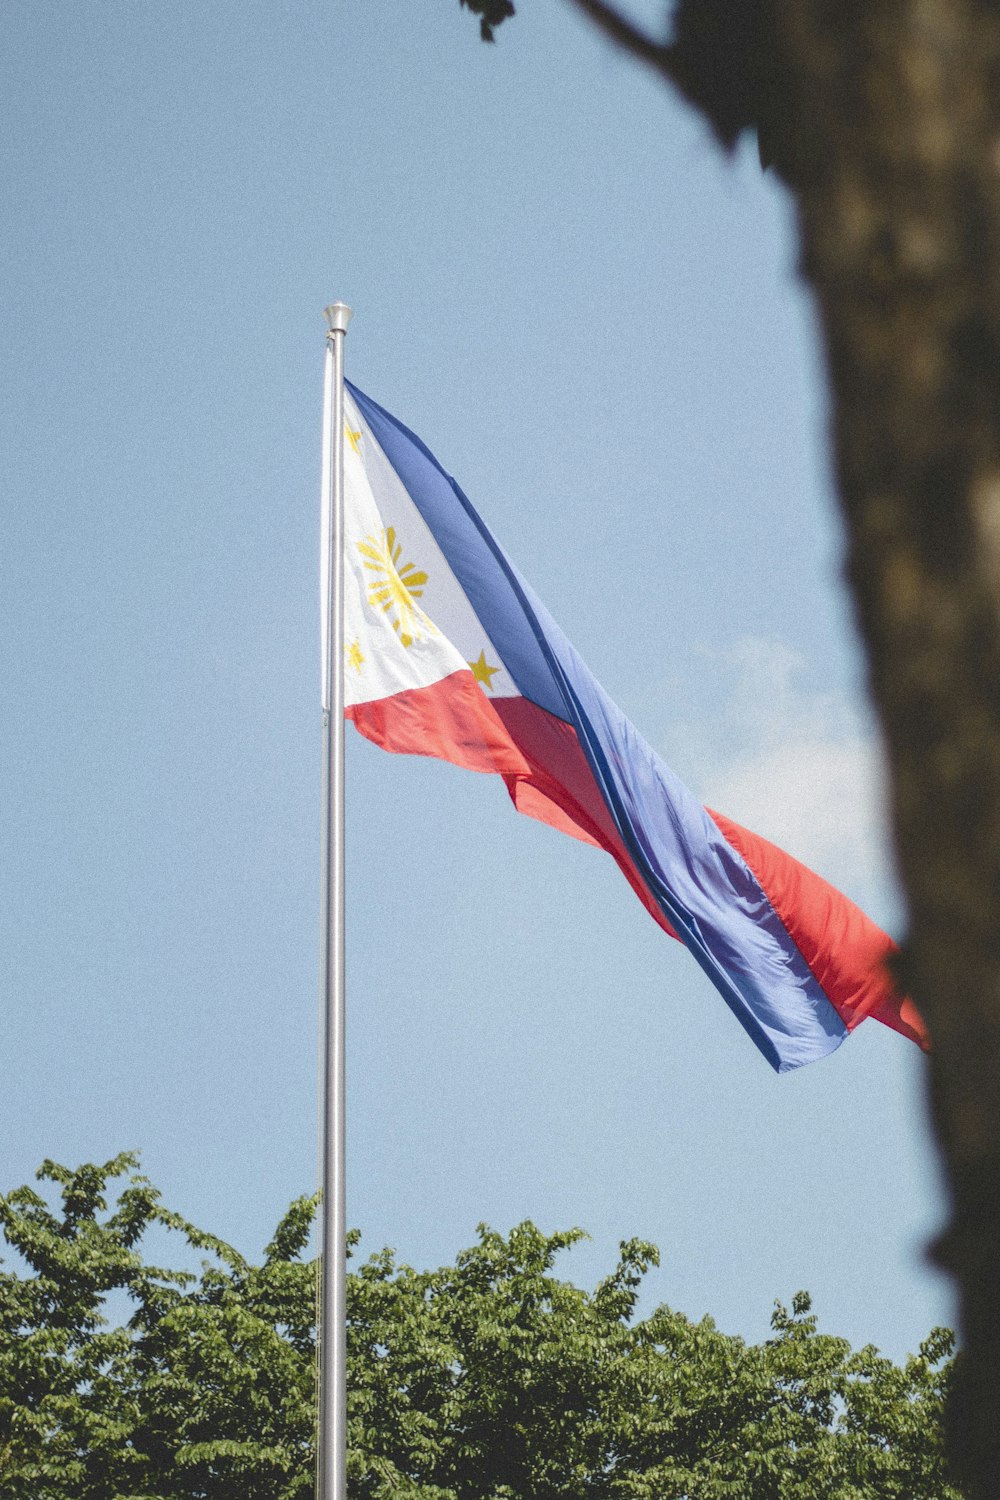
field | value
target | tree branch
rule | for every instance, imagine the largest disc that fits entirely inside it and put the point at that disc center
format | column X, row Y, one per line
column 621, row 31
column 716, row 57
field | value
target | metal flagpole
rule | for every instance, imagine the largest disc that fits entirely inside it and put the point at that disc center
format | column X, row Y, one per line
column 332, row 1432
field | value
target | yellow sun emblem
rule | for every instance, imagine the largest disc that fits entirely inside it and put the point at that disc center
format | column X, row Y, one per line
column 396, row 586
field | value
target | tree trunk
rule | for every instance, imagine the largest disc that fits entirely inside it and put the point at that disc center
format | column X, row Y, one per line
column 890, row 141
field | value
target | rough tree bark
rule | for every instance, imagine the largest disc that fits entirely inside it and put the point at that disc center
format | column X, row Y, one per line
column 898, row 185
column 883, row 117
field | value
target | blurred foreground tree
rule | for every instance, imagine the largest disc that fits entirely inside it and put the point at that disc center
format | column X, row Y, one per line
column 486, row 1380
column 883, row 119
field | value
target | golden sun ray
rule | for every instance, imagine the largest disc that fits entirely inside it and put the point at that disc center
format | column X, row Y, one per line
column 396, row 586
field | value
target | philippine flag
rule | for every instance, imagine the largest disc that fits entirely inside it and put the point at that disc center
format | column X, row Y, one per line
column 448, row 652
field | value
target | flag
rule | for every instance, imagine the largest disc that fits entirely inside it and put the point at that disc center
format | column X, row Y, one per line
column 448, row 652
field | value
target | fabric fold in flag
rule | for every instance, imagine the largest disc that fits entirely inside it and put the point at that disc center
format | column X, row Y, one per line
column 448, row 652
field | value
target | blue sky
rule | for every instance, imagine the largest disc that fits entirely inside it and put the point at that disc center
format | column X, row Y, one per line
column 595, row 321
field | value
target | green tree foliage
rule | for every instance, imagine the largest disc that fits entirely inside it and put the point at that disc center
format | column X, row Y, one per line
column 489, row 1379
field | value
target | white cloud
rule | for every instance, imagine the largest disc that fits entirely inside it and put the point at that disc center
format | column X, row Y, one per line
column 801, row 767
column 819, row 799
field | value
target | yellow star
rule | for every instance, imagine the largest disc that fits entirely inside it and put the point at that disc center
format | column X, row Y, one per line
column 354, row 656
column 354, row 438
column 481, row 672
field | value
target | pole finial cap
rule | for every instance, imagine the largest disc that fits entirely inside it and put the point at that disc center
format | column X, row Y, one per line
column 337, row 315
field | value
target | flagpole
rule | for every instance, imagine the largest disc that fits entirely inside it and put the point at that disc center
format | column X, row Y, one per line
column 332, row 1429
